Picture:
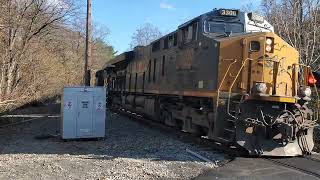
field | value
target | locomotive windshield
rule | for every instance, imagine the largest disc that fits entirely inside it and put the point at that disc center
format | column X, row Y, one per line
column 223, row 27
column 226, row 22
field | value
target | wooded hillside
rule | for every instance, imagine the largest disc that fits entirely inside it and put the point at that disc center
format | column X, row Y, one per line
column 42, row 49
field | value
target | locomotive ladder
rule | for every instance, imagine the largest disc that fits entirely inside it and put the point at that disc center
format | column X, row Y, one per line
column 231, row 86
column 229, row 129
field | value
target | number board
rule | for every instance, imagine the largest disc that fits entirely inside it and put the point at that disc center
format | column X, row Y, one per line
column 228, row 12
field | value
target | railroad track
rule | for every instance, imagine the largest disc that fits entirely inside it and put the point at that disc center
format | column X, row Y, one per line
column 307, row 164
column 202, row 142
column 314, row 157
column 23, row 120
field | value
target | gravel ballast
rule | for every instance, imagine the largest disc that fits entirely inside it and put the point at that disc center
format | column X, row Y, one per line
column 130, row 151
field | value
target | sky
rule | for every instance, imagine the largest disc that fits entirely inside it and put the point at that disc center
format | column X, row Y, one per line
column 123, row 17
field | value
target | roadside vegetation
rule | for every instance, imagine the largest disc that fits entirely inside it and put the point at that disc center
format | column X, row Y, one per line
column 144, row 35
column 42, row 49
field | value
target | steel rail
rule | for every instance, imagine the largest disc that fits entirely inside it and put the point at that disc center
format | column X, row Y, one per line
column 299, row 164
column 203, row 141
column 33, row 118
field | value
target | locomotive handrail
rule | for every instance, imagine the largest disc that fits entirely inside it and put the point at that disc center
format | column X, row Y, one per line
column 223, row 79
column 230, row 89
column 220, row 86
column 283, row 69
column 271, row 59
column 225, row 75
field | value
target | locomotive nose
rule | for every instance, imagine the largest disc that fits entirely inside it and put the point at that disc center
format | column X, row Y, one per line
column 271, row 67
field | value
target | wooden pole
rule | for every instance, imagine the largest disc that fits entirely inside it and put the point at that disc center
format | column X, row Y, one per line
column 88, row 54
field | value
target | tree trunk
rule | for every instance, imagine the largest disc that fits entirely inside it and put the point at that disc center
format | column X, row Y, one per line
column 11, row 78
column 2, row 81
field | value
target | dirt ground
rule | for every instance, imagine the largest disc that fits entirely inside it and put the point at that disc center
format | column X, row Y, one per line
column 130, row 151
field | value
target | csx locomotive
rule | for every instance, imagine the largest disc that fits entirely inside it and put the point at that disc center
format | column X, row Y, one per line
column 224, row 75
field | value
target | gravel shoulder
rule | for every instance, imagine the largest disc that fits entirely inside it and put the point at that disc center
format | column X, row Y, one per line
column 130, row 151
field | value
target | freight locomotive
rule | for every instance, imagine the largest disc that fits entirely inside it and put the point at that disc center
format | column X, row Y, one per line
column 224, row 75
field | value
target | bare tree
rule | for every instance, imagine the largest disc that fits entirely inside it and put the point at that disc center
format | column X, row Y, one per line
column 144, row 35
column 250, row 6
column 297, row 21
column 42, row 49
column 25, row 23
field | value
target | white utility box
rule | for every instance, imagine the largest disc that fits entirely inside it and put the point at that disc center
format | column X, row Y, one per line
column 83, row 112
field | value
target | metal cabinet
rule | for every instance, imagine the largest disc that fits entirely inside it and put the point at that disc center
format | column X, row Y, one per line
column 83, row 112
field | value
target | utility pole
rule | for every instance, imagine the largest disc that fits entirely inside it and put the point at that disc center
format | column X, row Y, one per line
column 88, row 54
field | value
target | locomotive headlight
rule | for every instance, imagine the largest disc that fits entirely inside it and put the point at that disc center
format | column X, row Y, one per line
column 260, row 88
column 269, row 41
column 268, row 48
column 305, row 91
column 269, row 44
